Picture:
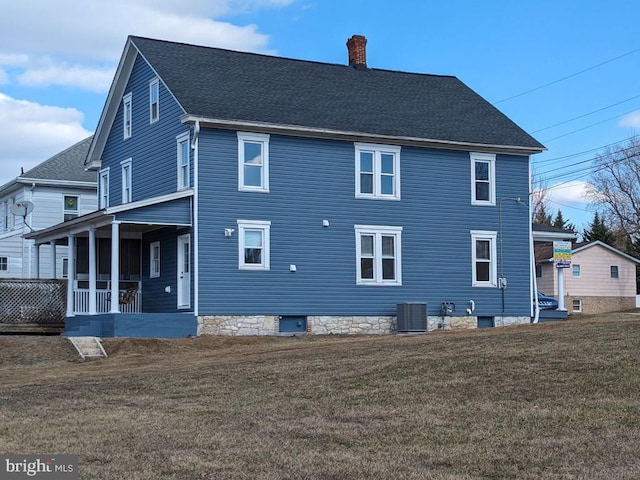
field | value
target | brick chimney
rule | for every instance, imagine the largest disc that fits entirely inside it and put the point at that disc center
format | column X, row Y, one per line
column 357, row 46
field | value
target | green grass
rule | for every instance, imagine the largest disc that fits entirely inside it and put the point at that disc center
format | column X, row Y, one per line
column 532, row 402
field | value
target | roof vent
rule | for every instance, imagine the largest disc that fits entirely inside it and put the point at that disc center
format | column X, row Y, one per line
column 357, row 46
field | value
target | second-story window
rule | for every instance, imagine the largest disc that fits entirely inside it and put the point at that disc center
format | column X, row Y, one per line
column 71, row 209
column 154, row 100
column 483, row 176
column 377, row 171
column 253, row 162
column 127, row 115
column 104, row 188
column 126, row 181
column 183, row 161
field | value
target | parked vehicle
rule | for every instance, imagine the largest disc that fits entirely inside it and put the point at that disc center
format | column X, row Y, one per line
column 547, row 303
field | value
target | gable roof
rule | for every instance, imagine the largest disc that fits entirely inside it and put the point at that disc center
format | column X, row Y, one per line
column 221, row 87
column 64, row 168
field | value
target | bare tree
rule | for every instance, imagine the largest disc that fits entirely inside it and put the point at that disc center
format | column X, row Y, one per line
column 615, row 186
column 539, row 200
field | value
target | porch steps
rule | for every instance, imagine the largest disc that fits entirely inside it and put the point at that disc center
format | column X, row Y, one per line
column 88, row 347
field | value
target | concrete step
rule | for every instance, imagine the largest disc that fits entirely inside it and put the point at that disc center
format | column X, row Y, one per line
column 88, row 347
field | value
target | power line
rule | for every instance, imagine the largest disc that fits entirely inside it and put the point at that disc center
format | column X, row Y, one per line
column 571, row 155
column 568, row 76
column 588, row 126
column 586, row 114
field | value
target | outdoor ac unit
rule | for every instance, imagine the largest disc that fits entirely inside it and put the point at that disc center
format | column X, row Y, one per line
column 412, row 317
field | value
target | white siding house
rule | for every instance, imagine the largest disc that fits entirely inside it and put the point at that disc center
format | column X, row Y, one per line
column 601, row 278
column 60, row 189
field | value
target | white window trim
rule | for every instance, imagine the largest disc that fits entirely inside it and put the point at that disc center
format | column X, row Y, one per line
column 377, row 150
column 4, row 263
column 254, row 138
column 378, row 231
column 573, row 272
column 128, row 98
column 64, row 205
column 154, row 272
column 104, row 188
column 493, row 264
column 180, row 139
column 154, row 83
column 123, row 168
column 576, row 310
column 617, row 277
column 265, row 227
column 491, row 159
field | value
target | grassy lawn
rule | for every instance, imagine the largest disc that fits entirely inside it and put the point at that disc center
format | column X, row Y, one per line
column 550, row 401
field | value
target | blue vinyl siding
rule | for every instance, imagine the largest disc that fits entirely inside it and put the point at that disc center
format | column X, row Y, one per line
column 152, row 147
column 155, row 299
column 175, row 212
column 314, row 179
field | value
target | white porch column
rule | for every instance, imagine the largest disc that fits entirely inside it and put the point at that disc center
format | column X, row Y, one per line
column 115, row 267
column 37, row 261
column 561, row 289
column 53, row 258
column 71, row 275
column 92, row 271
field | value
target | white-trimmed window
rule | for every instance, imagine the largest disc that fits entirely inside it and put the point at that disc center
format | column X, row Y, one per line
column 253, row 162
column 4, row 264
column 184, row 161
column 104, row 188
column 377, row 171
column 483, row 255
column 575, row 270
column 126, row 181
column 614, row 271
column 71, row 208
column 154, row 100
column 65, row 267
column 576, row 305
column 378, row 255
column 253, row 244
column 154, row 260
column 127, row 105
column 483, row 175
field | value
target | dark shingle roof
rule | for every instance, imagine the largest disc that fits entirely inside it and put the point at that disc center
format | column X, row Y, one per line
column 67, row 165
column 237, row 86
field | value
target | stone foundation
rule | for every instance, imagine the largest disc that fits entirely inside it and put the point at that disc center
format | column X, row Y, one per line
column 238, row 325
column 596, row 305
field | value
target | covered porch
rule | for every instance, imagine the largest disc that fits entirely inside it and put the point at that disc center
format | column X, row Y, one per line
column 113, row 260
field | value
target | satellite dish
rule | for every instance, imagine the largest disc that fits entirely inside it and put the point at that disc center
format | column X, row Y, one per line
column 22, row 209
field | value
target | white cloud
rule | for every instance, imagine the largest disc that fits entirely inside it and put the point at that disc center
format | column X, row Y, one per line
column 30, row 133
column 631, row 120
column 80, row 42
column 571, row 193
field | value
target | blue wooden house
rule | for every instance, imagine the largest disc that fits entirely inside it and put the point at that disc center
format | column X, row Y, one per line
column 252, row 195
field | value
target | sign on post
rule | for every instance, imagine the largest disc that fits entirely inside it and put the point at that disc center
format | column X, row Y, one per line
column 562, row 254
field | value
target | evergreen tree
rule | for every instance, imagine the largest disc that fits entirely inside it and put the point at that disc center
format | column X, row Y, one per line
column 541, row 217
column 598, row 230
column 560, row 222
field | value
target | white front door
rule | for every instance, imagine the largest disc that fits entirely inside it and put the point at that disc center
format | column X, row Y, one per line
column 184, row 276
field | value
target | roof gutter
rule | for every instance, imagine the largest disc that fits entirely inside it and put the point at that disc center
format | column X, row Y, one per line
column 302, row 131
column 51, row 182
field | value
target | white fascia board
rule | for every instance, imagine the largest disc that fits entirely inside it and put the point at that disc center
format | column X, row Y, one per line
column 356, row 136
column 56, row 183
column 149, row 201
column 608, row 247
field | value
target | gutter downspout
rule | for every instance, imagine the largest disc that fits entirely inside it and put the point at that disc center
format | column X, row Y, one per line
column 196, row 270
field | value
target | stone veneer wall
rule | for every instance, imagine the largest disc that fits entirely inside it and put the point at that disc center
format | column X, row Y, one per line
column 323, row 325
column 595, row 305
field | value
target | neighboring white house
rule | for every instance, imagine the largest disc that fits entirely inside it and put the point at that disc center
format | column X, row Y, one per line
column 60, row 189
column 601, row 278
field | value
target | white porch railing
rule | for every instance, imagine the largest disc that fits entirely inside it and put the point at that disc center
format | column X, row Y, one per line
column 103, row 305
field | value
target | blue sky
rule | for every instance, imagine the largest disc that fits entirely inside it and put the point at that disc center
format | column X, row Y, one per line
column 57, row 59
